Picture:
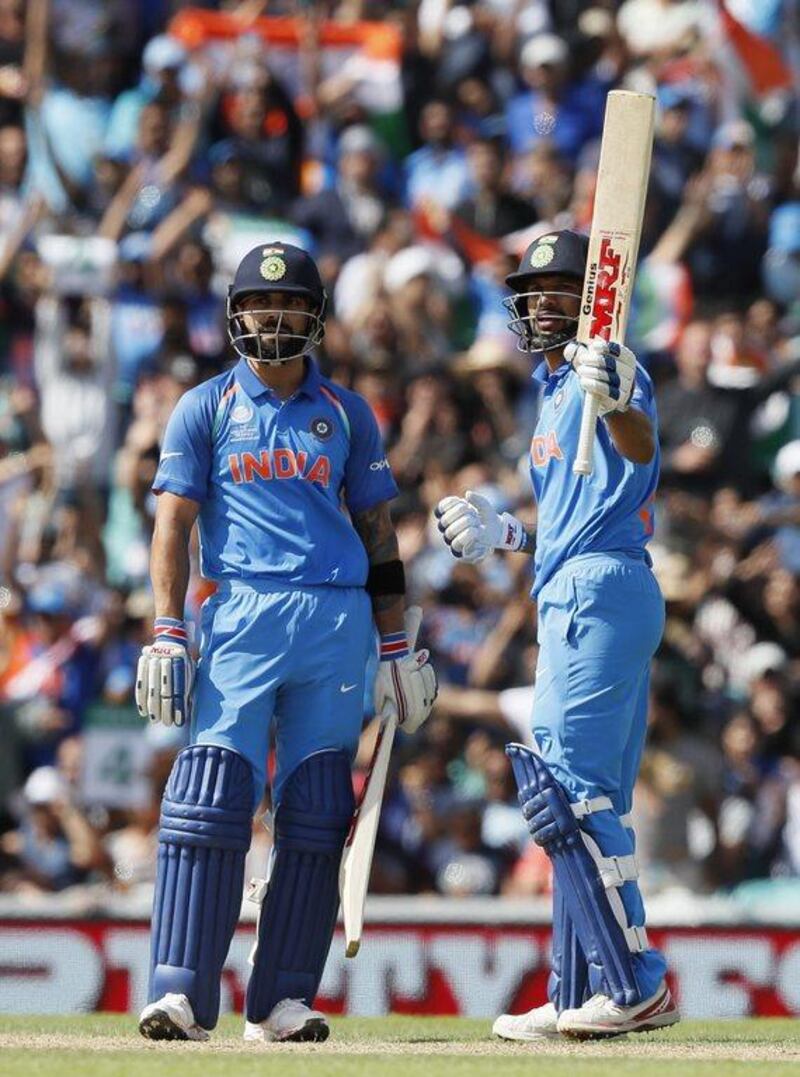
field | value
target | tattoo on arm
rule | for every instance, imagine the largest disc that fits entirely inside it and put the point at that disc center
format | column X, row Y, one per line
column 529, row 543
column 376, row 530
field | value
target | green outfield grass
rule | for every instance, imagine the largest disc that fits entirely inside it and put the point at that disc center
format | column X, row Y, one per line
column 109, row 1046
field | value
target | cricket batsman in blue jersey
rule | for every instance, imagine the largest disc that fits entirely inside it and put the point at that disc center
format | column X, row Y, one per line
column 286, row 477
column 601, row 616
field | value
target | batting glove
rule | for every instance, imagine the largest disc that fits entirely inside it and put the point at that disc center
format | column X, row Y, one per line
column 165, row 675
column 606, row 370
column 472, row 528
column 405, row 682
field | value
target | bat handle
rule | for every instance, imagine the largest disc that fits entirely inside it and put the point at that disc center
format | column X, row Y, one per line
column 583, row 461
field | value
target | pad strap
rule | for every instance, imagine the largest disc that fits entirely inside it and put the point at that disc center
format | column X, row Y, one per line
column 637, row 939
column 582, row 808
column 613, row 870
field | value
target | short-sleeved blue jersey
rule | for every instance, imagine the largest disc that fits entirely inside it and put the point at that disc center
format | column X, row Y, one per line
column 610, row 511
column 273, row 476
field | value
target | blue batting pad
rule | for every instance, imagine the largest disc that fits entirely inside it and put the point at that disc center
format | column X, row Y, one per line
column 204, row 837
column 568, row 986
column 553, row 825
column 299, row 910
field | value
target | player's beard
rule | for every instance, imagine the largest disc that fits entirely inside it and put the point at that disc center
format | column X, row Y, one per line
column 551, row 329
column 536, row 338
column 275, row 341
column 268, row 345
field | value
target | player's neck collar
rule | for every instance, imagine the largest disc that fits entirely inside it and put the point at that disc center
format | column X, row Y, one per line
column 255, row 387
column 542, row 372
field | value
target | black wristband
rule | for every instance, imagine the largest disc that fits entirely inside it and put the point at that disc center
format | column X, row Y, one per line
column 387, row 578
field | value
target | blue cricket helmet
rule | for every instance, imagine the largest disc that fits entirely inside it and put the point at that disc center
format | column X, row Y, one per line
column 288, row 270
column 562, row 252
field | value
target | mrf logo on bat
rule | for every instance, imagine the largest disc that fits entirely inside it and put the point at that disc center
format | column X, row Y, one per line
column 606, row 279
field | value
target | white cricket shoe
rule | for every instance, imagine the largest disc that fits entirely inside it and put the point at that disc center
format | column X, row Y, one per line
column 538, row 1024
column 601, row 1017
column 170, row 1018
column 290, row 1021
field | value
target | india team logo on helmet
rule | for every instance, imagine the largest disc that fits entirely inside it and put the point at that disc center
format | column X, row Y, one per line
column 543, row 253
column 542, row 256
column 273, row 268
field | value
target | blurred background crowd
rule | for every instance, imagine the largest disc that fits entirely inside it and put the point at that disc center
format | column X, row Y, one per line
column 415, row 147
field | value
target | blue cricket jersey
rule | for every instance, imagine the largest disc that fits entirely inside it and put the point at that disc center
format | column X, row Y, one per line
column 610, row 511
column 273, row 476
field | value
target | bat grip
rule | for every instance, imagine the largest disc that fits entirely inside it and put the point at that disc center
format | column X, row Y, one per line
column 583, row 461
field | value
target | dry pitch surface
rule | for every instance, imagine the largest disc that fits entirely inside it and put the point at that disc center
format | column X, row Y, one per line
column 109, row 1046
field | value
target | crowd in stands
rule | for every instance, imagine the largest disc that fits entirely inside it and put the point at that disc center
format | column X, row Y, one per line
column 415, row 148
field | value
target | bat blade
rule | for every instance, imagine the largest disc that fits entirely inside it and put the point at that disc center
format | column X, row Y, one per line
column 356, row 862
column 622, row 176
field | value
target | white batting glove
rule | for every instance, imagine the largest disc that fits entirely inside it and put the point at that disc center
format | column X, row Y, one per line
column 165, row 675
column 472, row 528
column 606, row 370
column 405, row 682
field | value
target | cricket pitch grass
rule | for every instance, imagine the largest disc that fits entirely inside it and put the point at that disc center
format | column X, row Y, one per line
column 105, row 1045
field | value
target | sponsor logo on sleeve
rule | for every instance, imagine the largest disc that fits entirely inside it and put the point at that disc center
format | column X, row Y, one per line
column 379, row 465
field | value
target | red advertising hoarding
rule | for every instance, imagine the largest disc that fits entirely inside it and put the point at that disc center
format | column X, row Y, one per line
column 475, row 970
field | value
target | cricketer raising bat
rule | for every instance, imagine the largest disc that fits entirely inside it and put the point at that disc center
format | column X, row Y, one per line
column 356, row 863
column 620, row 194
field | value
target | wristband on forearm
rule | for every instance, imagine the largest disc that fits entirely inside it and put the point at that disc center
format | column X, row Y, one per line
column 512, row 533
column 394, row 645
column 170, row 630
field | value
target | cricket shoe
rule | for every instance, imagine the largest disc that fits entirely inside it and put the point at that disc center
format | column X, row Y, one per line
column 290, row 1021
column 538, row 1024
column 601, row 1017
column 170, row 1018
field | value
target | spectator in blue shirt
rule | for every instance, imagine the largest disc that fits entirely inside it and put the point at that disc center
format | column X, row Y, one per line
column 162, row 61
column 438, row 171
column 569, row 114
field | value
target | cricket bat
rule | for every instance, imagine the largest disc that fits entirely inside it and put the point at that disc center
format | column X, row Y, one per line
column 620, row 194
column 356, row 863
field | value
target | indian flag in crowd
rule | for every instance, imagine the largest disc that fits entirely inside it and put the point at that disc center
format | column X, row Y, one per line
column 360, row 60
column 752, row 32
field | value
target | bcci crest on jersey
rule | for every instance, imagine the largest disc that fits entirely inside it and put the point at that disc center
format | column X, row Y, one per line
column 321, row 428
